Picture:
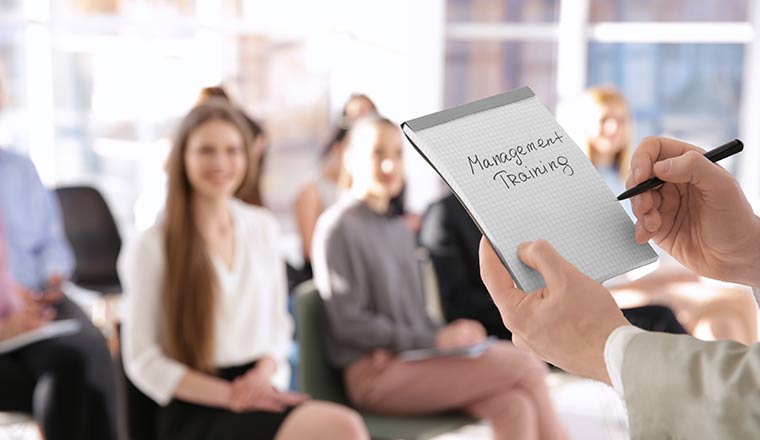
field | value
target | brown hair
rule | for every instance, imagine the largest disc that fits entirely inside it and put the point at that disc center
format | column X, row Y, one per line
column 189, row 290
column 212, row 92
column 605, row 97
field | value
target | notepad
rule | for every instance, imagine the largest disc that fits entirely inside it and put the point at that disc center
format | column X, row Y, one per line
column 53, row 329
column 521, row 178
column 468, row 351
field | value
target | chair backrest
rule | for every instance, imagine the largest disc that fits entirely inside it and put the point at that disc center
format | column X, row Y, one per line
column 93, row 235
column 316, row 376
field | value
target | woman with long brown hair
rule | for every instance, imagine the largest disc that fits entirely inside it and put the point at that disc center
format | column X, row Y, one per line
column 206, row 332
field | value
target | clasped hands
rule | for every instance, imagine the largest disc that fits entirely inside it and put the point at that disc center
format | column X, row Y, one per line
column 253, row 391
column 35, row 310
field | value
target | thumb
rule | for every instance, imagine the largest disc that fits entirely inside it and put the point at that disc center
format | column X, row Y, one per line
column 692, row 167
column 497, row 280
column 541, row 256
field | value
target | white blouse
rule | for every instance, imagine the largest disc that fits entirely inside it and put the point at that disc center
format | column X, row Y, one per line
column 251, row 318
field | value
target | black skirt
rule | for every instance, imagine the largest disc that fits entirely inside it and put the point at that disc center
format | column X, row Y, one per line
column 181, row 420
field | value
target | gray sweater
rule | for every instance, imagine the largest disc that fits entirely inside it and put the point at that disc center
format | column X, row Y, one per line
column 370, row 282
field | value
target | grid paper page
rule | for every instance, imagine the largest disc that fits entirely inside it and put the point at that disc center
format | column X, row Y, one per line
column 559, row 196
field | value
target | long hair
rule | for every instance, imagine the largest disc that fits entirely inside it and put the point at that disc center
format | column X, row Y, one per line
column 252, row 193
column 605, row 97
column 190, row 285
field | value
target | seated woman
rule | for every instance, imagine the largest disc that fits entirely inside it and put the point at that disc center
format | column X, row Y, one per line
column 322, row 191
column 206, row 332
column 371, row 284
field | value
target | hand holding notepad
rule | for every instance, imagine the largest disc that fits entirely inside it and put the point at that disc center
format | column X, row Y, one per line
column 522, row 178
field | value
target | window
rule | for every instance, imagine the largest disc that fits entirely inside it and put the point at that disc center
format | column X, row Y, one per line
column 95, row 89
column 479, row 69
column 688, row 91
column 493, row 46
column 684, row 65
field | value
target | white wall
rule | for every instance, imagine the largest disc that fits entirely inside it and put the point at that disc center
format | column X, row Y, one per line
column 395, row 54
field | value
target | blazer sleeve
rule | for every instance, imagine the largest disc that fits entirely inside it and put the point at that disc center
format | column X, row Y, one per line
column 682, row 388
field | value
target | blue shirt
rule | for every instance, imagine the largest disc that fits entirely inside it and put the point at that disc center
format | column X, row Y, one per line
column 36, row 245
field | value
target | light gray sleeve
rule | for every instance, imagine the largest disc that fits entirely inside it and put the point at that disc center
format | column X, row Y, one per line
column 679, row 387
column 344, row 284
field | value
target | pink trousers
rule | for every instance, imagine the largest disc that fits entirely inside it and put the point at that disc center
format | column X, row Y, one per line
column 505, row 386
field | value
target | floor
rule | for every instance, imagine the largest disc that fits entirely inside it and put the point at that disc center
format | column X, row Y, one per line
column 591, row 411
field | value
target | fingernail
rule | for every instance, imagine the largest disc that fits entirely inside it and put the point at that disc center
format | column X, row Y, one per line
column 637, row 175
column 663, row 167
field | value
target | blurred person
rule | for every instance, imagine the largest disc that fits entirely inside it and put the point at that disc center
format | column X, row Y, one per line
column 40, row 262
column 452, row 240
column 717, row 314
column 46, row 379
column 608, row 131
column 321, row 192
column 252, row 192
column 371, row 285
column 150, row 203
column 206, row 331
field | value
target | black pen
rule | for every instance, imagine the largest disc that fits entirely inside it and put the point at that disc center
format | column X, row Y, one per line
column 722, row 152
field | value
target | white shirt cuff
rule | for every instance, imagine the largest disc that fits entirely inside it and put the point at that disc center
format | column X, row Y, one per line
column 614, row 350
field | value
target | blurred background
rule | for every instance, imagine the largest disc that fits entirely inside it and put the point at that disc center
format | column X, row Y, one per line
column 92, row 91
column 94, row 88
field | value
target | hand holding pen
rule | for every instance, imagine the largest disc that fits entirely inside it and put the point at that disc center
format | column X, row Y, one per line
column 699, row 214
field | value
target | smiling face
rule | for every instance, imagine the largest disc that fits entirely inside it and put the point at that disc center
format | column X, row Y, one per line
column 375, row 159
column 610, row 136
column 215, row 159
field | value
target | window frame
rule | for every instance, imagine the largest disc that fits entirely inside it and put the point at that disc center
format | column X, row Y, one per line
column 574, row 31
